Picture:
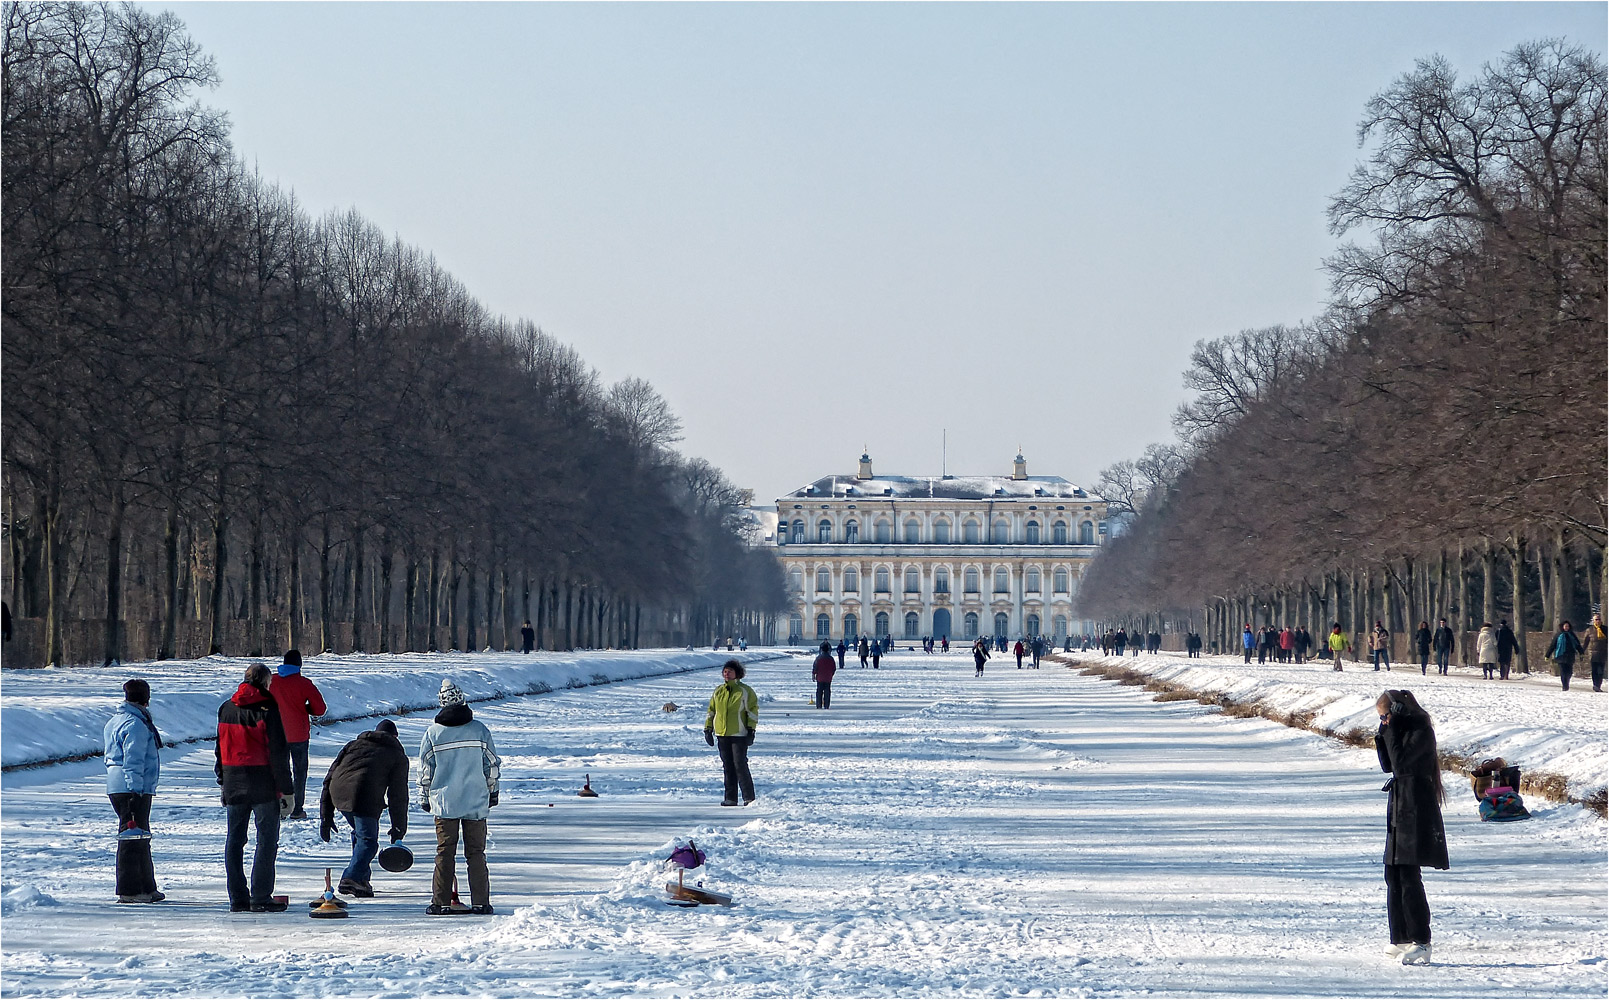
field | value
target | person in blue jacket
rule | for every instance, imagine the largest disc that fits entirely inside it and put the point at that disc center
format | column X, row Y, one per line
column 133, row 763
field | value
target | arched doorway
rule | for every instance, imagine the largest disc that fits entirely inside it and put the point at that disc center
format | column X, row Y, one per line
column 941, row 623
column 1000, row 624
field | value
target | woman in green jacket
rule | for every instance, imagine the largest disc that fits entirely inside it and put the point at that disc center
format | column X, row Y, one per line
column 729, row 725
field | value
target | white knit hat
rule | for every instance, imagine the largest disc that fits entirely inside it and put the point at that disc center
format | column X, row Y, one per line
column 450, row 695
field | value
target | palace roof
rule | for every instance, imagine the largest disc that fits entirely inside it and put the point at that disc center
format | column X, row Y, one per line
column 940, row 488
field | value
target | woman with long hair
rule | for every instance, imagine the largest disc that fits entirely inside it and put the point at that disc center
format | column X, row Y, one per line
column 1415, row 837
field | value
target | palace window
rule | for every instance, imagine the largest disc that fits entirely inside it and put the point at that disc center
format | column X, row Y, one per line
column 824, row 531
column 969, row 532
column 795, row 628
column 851, row 627
column 823, row 580
column 1032, row 580
column 795, row 579
column 851, row 580
column 971, row 624
column 1059, row 533
column 1001, row 622
column 941, row 532
column 1061, row 581
column 798, row 532
column 1002, row 580
column 1033, row 625
column 823, row 627
column 913, row 531
column 913, row 623
column 971, row 581
column 1060, row 624
column 851, row 532
column 885, row 531
column 881, row 624
column 1002, row 532
column 1086, row 533
column 913, row 580
column 1033, row 532
column 882, row 579
column 941, row 581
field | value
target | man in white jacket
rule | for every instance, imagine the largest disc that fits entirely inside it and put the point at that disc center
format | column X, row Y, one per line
column 458, row 768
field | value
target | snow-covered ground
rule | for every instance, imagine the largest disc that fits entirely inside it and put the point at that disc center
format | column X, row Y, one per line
column 1528, row 720
column 1027, row 833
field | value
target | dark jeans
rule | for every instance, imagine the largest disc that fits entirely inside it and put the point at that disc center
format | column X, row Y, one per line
column 735, row 767
column 1424, row 662
column 135, row 873
column 1503, row 665
column 1407, row 910
column 1382, row 656
column 823, row 694
column 1597, row 676
column 1442, row 656
column 1566, row 671
column 266, row 817
column 441, row 881
column 299, row 772
column 1248, row 654
column 365, row 845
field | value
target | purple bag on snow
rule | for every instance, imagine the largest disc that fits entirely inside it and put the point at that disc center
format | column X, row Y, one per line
column 687, row 856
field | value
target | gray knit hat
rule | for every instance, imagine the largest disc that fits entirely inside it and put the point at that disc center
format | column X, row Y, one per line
column 450, row 695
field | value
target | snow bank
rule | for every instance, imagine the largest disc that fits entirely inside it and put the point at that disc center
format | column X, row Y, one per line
column 1555, row 736
column 55, row 714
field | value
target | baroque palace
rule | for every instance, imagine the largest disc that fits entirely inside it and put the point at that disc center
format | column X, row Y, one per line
column 940, row 556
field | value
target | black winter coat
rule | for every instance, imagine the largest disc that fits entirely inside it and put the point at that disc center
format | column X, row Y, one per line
column 368, row 774
column 1414, row 833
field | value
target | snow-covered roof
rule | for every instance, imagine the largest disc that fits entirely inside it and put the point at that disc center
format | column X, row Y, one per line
column 943, row 488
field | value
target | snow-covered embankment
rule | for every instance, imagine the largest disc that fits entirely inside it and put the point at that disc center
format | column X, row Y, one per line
column 1558, row 738
column 58, row 714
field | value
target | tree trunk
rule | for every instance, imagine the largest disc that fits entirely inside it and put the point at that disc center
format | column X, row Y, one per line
column 298, row 627
column 114, row 580
column 170, row 581
column 433, row 596
column 1517, row 569
column 387, row 553
column 220, row 565
column 455, row 580
column 255, row 644
column 470, row 643
column 360, row 609
column 1489, row 582
column 569, row 598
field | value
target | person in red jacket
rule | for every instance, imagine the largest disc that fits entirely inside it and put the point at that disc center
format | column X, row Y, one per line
column 299, row 701
column 254, row 767
column 821, row 672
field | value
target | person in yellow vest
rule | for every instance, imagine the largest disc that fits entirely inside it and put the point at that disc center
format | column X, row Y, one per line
column 1339, row 644
column 729, row 724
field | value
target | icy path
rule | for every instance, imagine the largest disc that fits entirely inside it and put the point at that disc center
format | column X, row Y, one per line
column 1027, row 833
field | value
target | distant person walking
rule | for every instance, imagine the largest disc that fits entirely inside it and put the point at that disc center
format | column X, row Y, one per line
column 729, row 725
column 1415, row 838
column 980, row 653
column 1486, row 650
column 133, row 755
column 841, row 649
column 1019, row 651
column 1593, row 639
column 822, row 672
column 1248, row 641
column 877, row 655
column 1380, row 645
column 1338, row 644
column 1563, row 650
column 1421, row 641
column 1442, row 643
column 1507, row 646
column 527, row 638
column 865, row 649
column 299, row 702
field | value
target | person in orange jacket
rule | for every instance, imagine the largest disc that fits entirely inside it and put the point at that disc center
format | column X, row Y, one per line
column 299, row 702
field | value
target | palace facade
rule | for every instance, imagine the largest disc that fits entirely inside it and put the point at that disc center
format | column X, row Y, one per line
column 940, row 556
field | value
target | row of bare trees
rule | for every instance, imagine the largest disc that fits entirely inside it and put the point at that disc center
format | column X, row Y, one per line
column 224, row 416
column 1434, row 443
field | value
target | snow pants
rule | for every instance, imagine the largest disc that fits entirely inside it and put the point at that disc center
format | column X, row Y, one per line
column 441, row 882
column 135, row 874
column 735, row 768
column 1407, row 910
column 265, row 816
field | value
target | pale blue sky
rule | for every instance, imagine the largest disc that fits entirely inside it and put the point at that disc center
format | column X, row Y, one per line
column 819, row 226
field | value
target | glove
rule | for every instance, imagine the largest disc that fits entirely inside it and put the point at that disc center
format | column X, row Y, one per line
column 424, row 805
column 326, row 831
column 494, row 799
column 394, row 834
column 286, row 804
column 709, row 736
column 748, row 741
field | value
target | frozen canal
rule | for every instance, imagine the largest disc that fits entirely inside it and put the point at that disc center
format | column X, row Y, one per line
column 1020, row 834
